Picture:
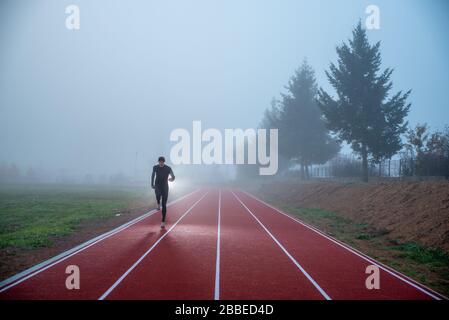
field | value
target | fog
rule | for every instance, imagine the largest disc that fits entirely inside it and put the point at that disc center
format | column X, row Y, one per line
column 102, row 100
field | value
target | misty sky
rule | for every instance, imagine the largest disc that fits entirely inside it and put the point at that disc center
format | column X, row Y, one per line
column 86, row 101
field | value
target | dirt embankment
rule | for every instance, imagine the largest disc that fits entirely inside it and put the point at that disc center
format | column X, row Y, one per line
column 408, row 211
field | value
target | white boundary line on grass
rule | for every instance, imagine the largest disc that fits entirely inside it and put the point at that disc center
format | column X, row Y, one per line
column 217, row 262
column 315, row 284
column 397, row 274
column 116, row 283
column 28, row 273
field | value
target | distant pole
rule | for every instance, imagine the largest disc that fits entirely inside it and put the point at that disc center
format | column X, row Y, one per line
column 135, row 167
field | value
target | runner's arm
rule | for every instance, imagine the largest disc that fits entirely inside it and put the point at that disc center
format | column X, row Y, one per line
column 152, row 177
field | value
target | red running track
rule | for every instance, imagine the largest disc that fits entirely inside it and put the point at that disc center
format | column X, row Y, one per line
column 218, row 244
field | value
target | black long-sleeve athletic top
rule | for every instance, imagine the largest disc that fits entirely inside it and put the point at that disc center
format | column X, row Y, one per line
column 161, row 174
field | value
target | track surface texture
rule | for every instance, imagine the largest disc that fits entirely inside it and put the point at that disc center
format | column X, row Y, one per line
column 222, row 244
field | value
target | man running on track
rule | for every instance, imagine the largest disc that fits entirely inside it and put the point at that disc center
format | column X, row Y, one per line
column 161, row 171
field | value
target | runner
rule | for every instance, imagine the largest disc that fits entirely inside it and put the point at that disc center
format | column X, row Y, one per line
column 160, row 185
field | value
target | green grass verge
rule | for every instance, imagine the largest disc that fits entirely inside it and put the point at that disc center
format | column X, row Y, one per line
column 414, row 251
column 31, row 216
column 336, row 225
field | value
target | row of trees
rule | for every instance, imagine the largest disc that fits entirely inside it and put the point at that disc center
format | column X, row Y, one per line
column 11, row 173
column 364, row 113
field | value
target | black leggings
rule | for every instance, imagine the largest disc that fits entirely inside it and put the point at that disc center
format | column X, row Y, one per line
column 162, row 192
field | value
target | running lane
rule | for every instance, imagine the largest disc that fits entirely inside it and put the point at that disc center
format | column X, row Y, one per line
column 182, row 264
column 100, row 264
column 340, row 272
column 252, row 265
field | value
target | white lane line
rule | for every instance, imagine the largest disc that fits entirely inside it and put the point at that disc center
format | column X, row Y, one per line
column 315, row 284
column 217, row 263
column 148, row 251
column 31, row 272
column 345, row 246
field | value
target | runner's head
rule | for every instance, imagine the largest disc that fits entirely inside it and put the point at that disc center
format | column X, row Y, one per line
column 161, row 161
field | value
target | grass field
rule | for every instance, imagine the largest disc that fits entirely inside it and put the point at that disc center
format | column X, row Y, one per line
column 32, row 216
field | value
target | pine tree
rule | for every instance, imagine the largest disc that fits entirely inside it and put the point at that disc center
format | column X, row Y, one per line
column 363, row 114
column 302, row 133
